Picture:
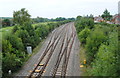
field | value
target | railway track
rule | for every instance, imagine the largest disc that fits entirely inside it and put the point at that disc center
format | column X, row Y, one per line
column 64, row 53
column 66, row 36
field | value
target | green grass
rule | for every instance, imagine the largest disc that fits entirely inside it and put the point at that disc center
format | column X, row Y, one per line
column 44, row 23
column 83, row 57
column 5, row 31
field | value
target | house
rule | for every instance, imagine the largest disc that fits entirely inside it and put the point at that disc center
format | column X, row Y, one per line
column 98, row 19
column 116, row 19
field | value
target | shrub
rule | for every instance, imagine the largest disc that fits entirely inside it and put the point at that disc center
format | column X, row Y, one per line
column 104, row 62
column 83, row 35
column 84, row 22
column 93, row 42
column 10, row 62
column 107, row 58
column 42, row 31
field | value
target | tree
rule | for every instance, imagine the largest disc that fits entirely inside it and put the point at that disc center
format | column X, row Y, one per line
column 10, row 62
column 20, row 17
column 106, row 15
column 6, row 46
column 23, row 34
column 15, row 29
column 72, row 19
column 15, row 42
column 78, row 17
column 91, row 16
column 6, row 22
column 60, row 19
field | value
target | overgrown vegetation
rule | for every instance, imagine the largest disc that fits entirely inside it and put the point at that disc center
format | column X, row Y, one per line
column 23, row 35
column 101, row 45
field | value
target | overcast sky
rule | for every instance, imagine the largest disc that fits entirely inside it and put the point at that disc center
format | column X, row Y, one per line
column 58, row 8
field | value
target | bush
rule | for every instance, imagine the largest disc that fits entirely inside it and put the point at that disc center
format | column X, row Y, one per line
column 93, row 42
column 107, row 58
column 51, row 26
column 10, row 62
column 83, row 35
column 42, row 31
column 104, row 62
column 84, row 22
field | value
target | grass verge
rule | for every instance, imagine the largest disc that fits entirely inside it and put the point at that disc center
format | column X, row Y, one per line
column 83, row 57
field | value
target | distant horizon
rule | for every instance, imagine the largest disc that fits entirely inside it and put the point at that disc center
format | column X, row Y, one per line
column 50, row 18
column 59, row 8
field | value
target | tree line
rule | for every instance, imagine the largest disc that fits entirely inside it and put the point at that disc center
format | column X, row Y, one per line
column 10, row 21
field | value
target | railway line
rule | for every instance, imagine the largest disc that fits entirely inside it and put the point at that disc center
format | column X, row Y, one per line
column 67, row 36
column 55, row 58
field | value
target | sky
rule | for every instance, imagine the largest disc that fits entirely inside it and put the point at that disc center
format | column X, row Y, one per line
column 58, row 8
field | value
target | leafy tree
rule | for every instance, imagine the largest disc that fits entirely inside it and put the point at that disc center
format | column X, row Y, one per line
column 28, row 27
column 15, row 29
column 6, row 46
column 78, row 18
column 40, row 19
column 60, row 19
column 91, row 16
column 21, row 16
column 6, row 22
column 72, row 19
column 16, row 42
column 34, row 39
column 23, row 34
column 106, row 15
